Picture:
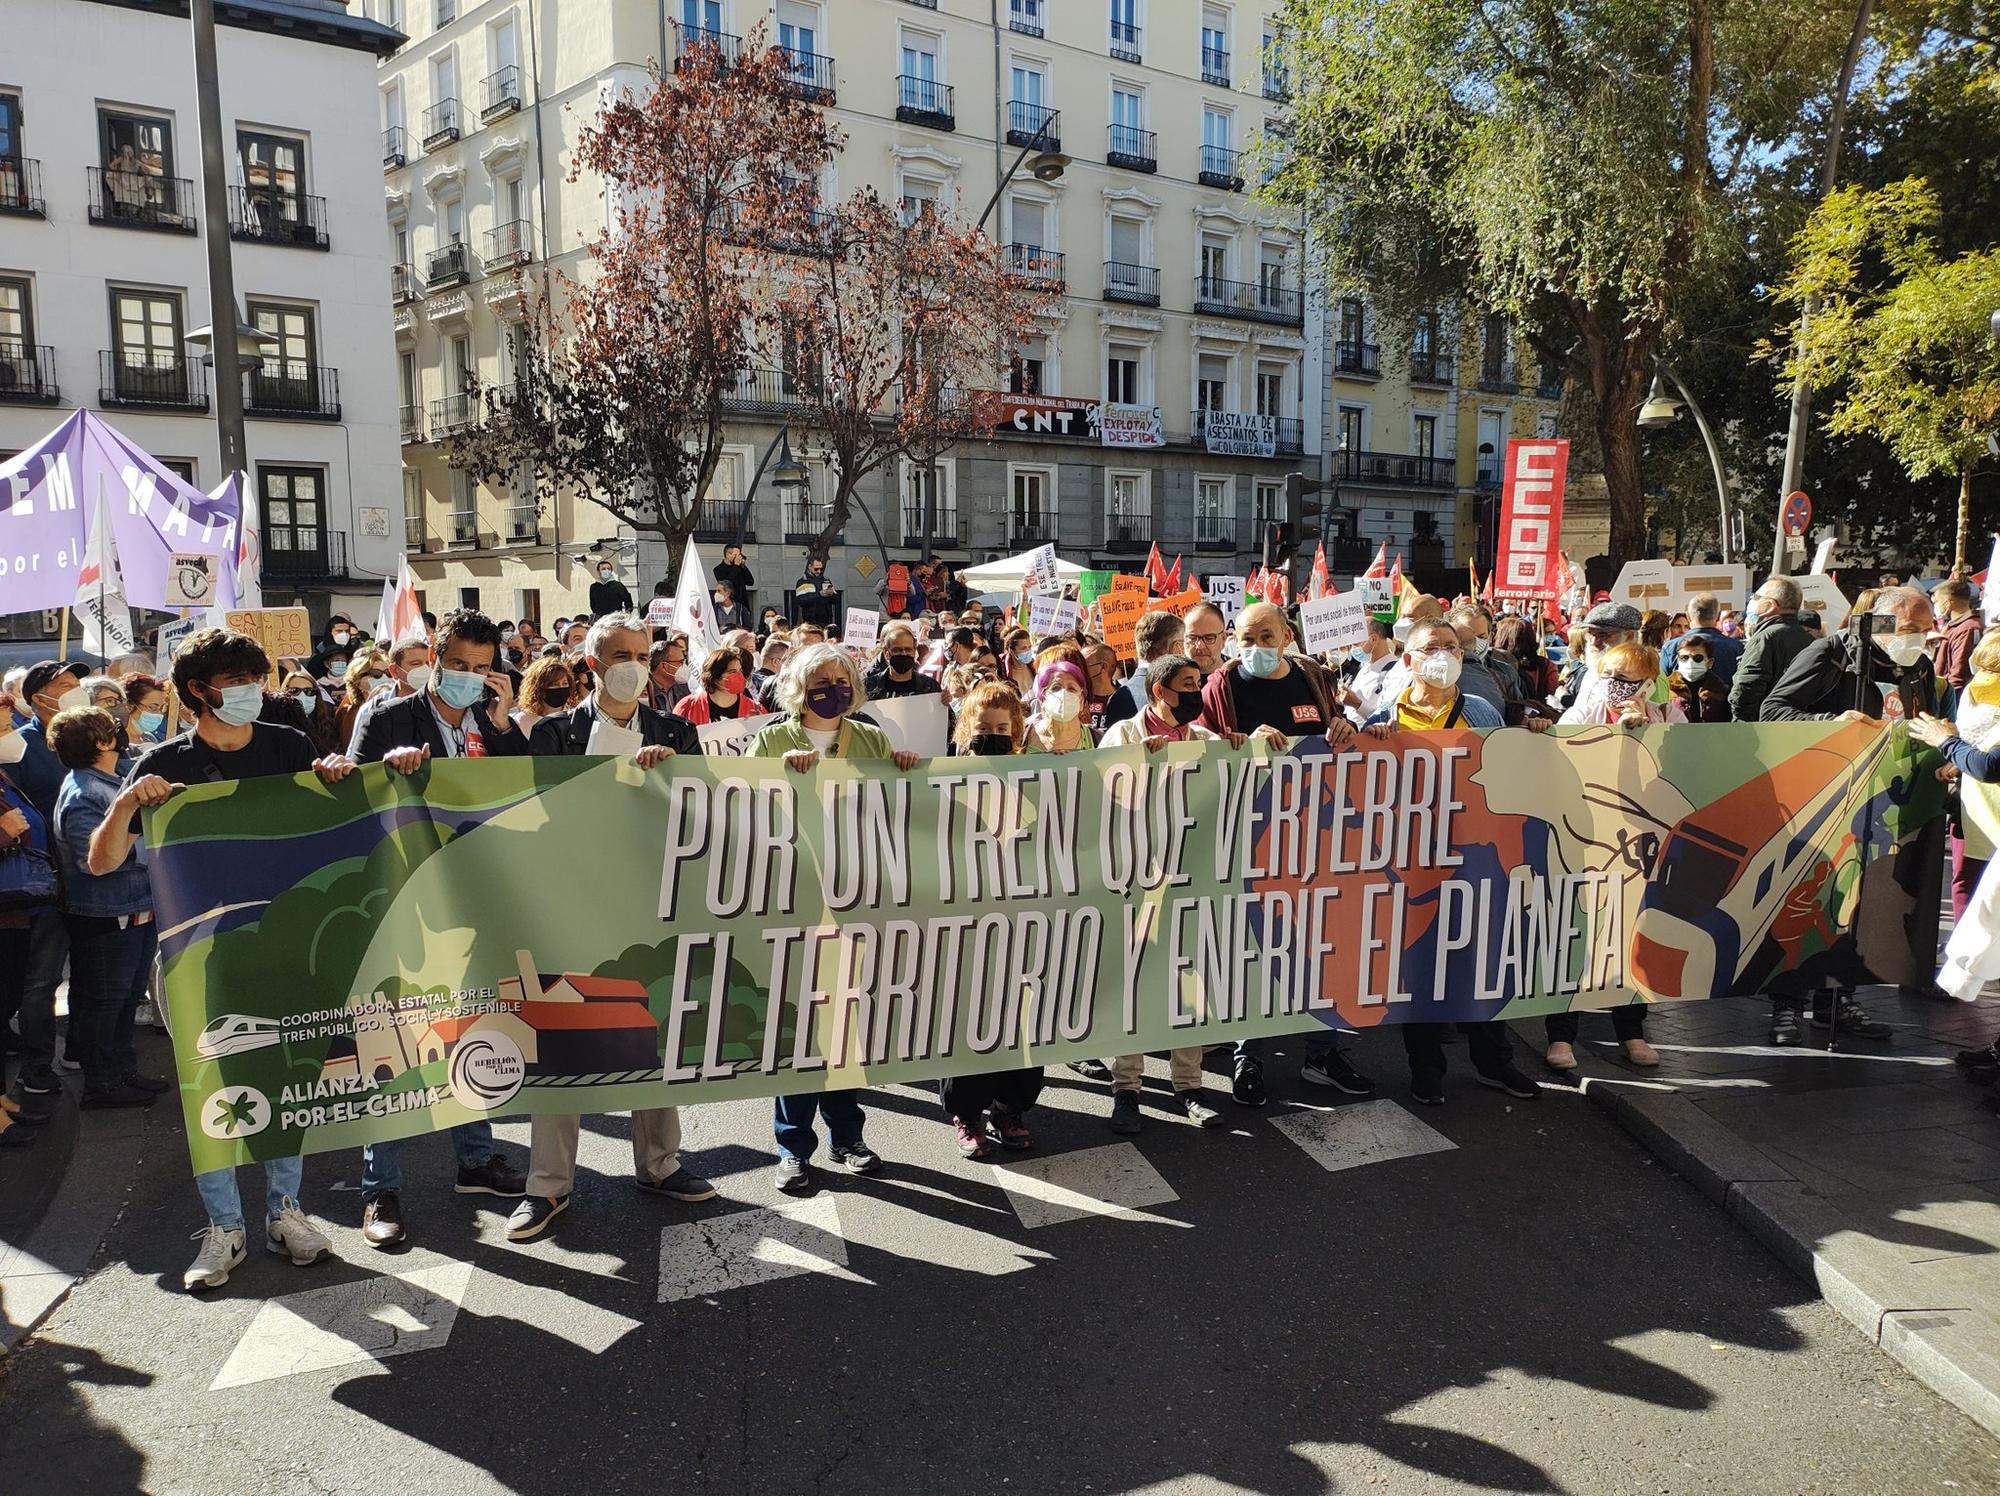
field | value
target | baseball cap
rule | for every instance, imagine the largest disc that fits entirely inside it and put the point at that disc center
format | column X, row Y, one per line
column 41, row 673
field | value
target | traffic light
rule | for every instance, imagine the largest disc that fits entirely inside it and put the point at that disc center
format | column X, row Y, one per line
column 1302, row 504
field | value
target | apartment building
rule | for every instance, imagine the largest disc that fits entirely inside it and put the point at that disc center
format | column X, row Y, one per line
column 1185, row 373
column 104, row 272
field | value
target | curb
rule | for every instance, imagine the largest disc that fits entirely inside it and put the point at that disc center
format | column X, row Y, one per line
column 1952, row 1349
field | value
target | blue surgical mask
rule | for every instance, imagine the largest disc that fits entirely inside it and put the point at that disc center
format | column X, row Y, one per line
column 1260, row 661
column 1358, row 654
column 241, row 704
column 309, row 700
column 460, row 688
column 151, row 725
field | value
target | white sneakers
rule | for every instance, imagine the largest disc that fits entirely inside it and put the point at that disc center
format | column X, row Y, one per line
column 289, row 1233
column 221, row 1254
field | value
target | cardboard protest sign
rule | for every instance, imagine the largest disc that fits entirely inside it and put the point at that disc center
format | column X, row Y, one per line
column 1050, row 615
column 1043, row 573
column 863, row 627
column 1180, row 602
column 1092, row 585
column 1227, row 593
column 191, row 579
column 1121, row 612
column 1334, row 623
column 284, row 632
column 1136, row 585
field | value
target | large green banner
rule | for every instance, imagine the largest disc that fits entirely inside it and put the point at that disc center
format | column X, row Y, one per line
column 392, row 955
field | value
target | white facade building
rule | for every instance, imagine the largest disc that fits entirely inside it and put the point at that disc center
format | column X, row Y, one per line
column 103, row 268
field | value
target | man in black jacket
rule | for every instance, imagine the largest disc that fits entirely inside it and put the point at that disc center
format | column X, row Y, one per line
column 1776, row 639
column 895, row 673
column 616, row 649
column 731, row 569
column 446, row 719
column 607, row 593
column 814, row 599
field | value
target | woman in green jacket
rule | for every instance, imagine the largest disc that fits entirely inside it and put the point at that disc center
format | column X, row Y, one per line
column 819, row 689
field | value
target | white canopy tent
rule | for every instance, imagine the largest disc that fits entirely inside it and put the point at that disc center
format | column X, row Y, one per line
column 1004, row 575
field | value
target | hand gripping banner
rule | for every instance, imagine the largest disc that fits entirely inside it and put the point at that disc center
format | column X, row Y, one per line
column 491, row 937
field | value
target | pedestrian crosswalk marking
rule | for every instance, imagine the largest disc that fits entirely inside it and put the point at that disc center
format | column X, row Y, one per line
column 1369, row 1132
column 700, row 1259
column 370, row 1319
column 1114, row 1180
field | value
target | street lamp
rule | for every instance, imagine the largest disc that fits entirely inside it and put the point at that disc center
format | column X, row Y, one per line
column 1661, row 409
column 1047, row 166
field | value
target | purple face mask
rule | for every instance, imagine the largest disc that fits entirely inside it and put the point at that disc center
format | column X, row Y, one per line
column 830, row 701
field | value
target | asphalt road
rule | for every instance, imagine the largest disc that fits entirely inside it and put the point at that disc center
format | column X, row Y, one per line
column 1492, row 1296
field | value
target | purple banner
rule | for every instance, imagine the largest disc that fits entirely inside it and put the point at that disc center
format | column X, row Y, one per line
column 48, row 492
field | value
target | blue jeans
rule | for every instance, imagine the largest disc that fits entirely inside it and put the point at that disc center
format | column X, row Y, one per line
column 48, row 949
column 382, row 1163
column 792, row 1121
column 108, row 968
column 225, row 1205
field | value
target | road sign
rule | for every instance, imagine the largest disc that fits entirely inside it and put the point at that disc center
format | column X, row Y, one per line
column 1797, row 513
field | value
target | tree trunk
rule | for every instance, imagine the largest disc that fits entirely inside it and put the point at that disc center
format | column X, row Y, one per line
column 1964, row 521
column 1618, row 441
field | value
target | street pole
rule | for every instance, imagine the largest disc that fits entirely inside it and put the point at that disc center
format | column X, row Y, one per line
column 1714, row 462
column 1793, row 477
column 215, row 229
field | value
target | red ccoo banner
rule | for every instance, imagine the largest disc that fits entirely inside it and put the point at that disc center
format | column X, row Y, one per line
column 1531, row 506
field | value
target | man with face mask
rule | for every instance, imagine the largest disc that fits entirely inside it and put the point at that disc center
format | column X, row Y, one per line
column 410, row 673
column 895, row 672
column 1377, row 673
column 1777, row 637
column 1488, row 676
column 463, row 710
column 607, row 593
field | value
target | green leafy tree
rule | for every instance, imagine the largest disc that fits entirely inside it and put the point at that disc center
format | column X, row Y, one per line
column 1572, row 166
column 1900, row 332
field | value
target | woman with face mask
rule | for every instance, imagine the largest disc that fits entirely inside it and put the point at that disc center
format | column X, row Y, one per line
column 992, row 1107
column 1057, row 725
column 607, row 593
column 548, row 687
column 725, row 692
column 819, row 690
column 145, row 710
column 367, row 677
column 1017, row 661
column 1703, row 695
column 1628, row 673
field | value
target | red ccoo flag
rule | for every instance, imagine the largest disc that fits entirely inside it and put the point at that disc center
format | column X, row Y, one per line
column 1174, row 583
column 1155, row 572
column 1322, row 583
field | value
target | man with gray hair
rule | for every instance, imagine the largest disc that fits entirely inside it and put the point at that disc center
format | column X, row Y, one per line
column 1776, row 639
column 1705, row 614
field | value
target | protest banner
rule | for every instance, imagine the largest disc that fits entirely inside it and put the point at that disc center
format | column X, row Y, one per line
column 730, row 738
column 1136, row 586
column 1178, row 604
column 1819, row 592
column 716, row 929
column 1092, row 585
column 660, row 613
column 1043, row 574
column 1227, row 593
column 1050, row 615
column 191, row 579
column 284, row 632
column 1531, row 504
column 1120, row 612
column 1376, row 594
column 863, row 627
column 1236, row 433
column 1131, row 425
column 1334, row 623
column 914, row 724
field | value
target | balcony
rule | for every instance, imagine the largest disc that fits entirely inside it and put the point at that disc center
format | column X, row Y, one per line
column 1026, row 19
column 264, row 215
column 151, row 381
column 1127, row 530
column 724, row 521
column 402, row 284
column 412, row 424
column 1136, row 285
column 764, row 392
column 451, row 414
column 506, row 401
column 805, row 519
column 1125, row 42
column 443, row 13
column 21, row 187
column 1034, row 266
column 500, row 93
column 1032, row 524
column 1250, row 301
column 135, row 200
column 1221, row 167
column 464, row 529
column 1428, row 366
column 450, row 265
column 1357, row 359
column 944, row 522
column 415, row 541
column 292, row 391
column 395, row 147
column 1487, row 477
column 1215, row 532
column 326, row 562
column 1396, row 468
column 925, row 101
column 509, row 244
column 726, row 49
column 810, row 76
column 524, row 524
column 1549, row 384
column 441, row 124
column 1288, row 433
column 1132, row 148
column 1497, row 377
column 1215, row 66
column 28, row 373
column 1277, row 82
column 1035, row 125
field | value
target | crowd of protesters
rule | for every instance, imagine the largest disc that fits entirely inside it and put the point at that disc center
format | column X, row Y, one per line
column 81, row 755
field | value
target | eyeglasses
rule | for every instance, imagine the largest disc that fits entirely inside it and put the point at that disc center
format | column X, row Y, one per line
column 1214, row 638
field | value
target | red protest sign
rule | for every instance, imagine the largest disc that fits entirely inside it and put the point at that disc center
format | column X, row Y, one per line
column 1531, row 502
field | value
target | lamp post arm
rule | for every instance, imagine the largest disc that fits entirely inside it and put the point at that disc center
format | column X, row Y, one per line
column 994, row 201
column 1714, row 455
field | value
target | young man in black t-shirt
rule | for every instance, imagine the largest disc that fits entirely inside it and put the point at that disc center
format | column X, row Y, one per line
column 219, row 676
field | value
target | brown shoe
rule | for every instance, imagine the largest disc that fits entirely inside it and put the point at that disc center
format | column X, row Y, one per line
column 382, row 1220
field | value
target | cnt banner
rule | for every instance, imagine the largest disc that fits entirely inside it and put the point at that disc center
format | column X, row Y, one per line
column 394, row 955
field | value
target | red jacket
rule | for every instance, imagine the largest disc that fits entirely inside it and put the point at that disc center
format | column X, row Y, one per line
column 695, row 707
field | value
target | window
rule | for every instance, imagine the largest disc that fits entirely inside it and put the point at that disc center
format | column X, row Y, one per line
column 138, row 155
column 701, row 15
column 1271, row 272
column 1128, row 241
column 462, row 367
column 920, row 62
column 10, row 127
column 1128, row 122
column 1545, row 425
column 468, row 597
column 1494, row 361
column 406, row 379
column 464, row 505
column 930, row 492
column 1028, row 222
column 17, row 327
column 1034, row 515
column 451, row 221
column 1211, row 381
column 1270, row 389
column 1268, row 503
column 287, row 378
column 294, row 524
column 146, row 330
column 1214, row 264
column 272, row 165
column 1424, row 337
column 1423, row 436
column 444, row 84
column 1214, row 44
column 1352, row 319
column 1026, row 368
column 1121, row 375
column 1347, row 424
column 918, row 198
column 1214, row 512
column 413, row 510
column 1026, row 15
column 501, row 47
column 1125, row 30
column 1128, row 515
column 1215, row 134
column 181, row 467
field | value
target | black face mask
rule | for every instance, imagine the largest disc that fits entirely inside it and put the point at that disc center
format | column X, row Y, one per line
column 993, row 744
column 1187, row 706
column 902, row 664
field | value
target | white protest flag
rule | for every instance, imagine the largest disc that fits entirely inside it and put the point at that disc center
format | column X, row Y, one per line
column 100, row 592
column 1990, row 588
column 249, row 541
column 694, row 610
column 399, row 617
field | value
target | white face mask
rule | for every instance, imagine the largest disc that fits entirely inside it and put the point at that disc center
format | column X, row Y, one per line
column 417, row 677
column 1062, row 706
column 1693, row 669
column 621, row 681
column 1903, row 650
column 13, row 748
column 1440, row 670
column 1400, row 630
column 73, row 700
